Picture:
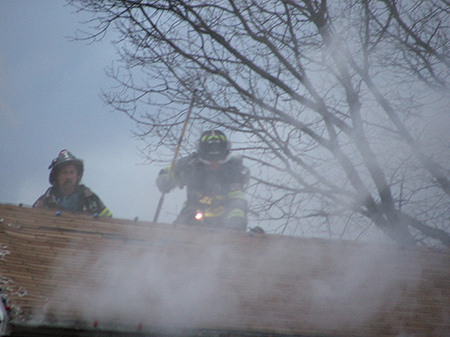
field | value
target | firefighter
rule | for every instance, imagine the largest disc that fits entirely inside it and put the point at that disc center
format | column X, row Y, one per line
column 66, row 192
column 215, row 181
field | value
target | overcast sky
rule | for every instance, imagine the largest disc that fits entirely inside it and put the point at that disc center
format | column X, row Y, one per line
column 49, row 100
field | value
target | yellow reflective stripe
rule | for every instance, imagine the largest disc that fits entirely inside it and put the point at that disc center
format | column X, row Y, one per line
column 213, row 136
column 236, row 195
column 219, row 211
column 236, row 213
column 105, row 212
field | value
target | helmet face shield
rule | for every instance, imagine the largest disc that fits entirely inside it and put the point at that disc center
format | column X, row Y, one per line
column 213, row 146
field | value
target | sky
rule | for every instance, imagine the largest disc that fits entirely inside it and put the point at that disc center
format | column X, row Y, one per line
column 50, row 87
column 50, row 100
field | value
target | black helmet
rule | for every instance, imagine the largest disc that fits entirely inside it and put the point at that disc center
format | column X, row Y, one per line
column 65, row 157
column 213, row 146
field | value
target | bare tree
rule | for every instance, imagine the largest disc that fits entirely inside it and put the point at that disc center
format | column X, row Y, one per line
column 330, row 102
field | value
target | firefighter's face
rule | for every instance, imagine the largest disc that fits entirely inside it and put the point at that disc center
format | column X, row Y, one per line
column 68, row 179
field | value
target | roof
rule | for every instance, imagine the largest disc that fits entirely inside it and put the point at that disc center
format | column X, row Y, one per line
column 76, row 273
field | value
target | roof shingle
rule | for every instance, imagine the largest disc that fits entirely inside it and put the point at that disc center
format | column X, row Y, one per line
column 78, row 273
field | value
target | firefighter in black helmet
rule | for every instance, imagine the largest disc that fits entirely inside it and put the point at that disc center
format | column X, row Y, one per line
column 66, row 192
column 215, row 181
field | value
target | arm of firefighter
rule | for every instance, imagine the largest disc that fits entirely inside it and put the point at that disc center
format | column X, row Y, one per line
column 168, row 178
column 236, row 217
column 43, row 200
column 105, row 212
column 94, row 204
column 39, row 203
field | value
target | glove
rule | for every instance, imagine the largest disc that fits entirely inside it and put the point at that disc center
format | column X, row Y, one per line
column 256, row 230
column 165, row 182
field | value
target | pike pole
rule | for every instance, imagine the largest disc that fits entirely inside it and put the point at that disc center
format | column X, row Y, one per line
column 161, row 199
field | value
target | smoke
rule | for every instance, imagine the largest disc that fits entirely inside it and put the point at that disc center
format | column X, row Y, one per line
column 219, row 280
column 154, row 283
column 356, row 286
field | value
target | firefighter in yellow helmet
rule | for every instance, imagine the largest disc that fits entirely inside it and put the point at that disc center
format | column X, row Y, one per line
column 215, row 181
column 66, row 192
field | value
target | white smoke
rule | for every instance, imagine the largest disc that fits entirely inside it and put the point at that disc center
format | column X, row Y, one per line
column 262, row 283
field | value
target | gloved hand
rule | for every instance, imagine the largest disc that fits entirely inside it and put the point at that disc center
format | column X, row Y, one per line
column 256, row 231
column 165, row 182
